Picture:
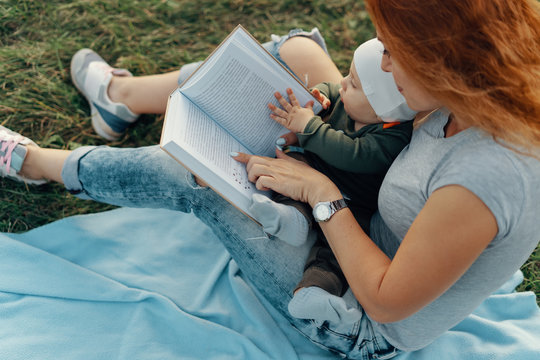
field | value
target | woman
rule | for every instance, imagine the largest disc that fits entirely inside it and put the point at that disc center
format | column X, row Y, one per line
column 457, row 208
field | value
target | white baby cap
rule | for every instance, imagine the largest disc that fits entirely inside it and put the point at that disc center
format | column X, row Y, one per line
column 379, row 86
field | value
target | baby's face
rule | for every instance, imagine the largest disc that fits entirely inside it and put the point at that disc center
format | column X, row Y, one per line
column 355, row 101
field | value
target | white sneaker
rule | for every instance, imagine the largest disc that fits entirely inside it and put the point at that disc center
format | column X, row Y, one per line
column 12, row 154
column 92, row 76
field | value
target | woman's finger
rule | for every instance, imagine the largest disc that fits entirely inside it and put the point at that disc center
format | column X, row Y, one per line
column 259, row 165
column 257, row 170
column 281, row 155
column 265, row 183
column 247, row 159
column 241, row 157
column 289, row 138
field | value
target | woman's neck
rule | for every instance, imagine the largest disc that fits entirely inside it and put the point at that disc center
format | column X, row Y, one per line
column 453, row 126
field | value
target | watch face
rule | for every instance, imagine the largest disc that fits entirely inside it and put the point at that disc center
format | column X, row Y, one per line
column 322, row 212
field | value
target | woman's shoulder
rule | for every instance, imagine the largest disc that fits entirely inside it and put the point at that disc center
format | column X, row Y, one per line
column 475, row 148
column 478, row 150
column 505, row 179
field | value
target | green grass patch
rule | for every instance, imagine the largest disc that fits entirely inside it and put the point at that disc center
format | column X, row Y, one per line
column 38, row 38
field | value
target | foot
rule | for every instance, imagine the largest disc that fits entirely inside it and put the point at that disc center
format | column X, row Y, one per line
column 92, row 76
column 13, row 150
column 319, row 305
column 282, row 221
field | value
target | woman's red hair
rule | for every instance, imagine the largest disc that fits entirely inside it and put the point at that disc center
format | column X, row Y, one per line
column 480, row 58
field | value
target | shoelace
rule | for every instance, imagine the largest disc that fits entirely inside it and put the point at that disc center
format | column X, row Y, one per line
column 8, row 145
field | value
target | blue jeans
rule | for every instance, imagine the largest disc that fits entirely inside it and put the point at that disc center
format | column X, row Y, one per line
column 148, row 177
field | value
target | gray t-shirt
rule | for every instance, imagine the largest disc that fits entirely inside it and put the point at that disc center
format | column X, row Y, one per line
column 507, row 182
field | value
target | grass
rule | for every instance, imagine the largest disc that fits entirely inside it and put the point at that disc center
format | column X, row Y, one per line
column 38, row 38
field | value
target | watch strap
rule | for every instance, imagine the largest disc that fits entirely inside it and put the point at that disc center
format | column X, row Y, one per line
column 337, row 205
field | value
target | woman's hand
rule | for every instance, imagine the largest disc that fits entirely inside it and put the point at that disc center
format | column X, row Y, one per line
column 292, row 115
column 287, row 139
column 289, row 177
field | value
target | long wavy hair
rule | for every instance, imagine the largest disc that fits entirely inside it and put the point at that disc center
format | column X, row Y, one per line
column 480, row 58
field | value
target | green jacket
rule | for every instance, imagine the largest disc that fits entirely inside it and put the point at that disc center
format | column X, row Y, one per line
column 356, row 161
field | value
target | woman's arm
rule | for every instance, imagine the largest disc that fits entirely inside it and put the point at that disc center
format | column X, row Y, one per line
column 446, row 237
column 449, row 233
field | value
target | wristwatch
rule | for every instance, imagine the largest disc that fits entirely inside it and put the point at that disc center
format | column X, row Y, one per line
column 324, row 210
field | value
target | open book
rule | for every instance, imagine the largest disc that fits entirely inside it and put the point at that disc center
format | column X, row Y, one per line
column 222, row 107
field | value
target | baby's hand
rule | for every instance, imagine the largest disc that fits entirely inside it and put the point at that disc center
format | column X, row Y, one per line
column 322, row 99
column 293, row 116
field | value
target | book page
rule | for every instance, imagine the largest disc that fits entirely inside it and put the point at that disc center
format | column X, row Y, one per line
column 209, row 143
column 246, row 117
column 234, row 88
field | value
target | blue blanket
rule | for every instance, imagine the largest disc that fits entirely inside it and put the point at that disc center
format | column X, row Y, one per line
column 156, row 284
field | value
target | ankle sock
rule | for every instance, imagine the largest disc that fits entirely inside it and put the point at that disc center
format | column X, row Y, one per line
column 319, row 305
column 282, row 221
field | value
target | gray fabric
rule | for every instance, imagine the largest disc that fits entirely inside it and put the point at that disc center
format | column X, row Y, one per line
column 508, row 183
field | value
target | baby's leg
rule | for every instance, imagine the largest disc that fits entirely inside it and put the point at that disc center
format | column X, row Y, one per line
column 319, row 295
column 322, row 270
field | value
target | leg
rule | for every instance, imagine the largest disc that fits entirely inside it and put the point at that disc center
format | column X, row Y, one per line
column 144, row 94
column 319, row 295
column 322, row 270
column 148, row 94
column 286, row 219
column 296, row 50
column 44, row 163
column 117, row 98
column 147, row 177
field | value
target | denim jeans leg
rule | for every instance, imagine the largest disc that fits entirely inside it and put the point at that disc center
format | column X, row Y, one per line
column 147, row 177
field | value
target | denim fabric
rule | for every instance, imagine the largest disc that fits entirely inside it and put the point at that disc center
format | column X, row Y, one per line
column 271, row 46
column 148, row 177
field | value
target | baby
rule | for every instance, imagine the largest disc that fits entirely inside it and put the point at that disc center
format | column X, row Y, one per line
column 353, row 141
